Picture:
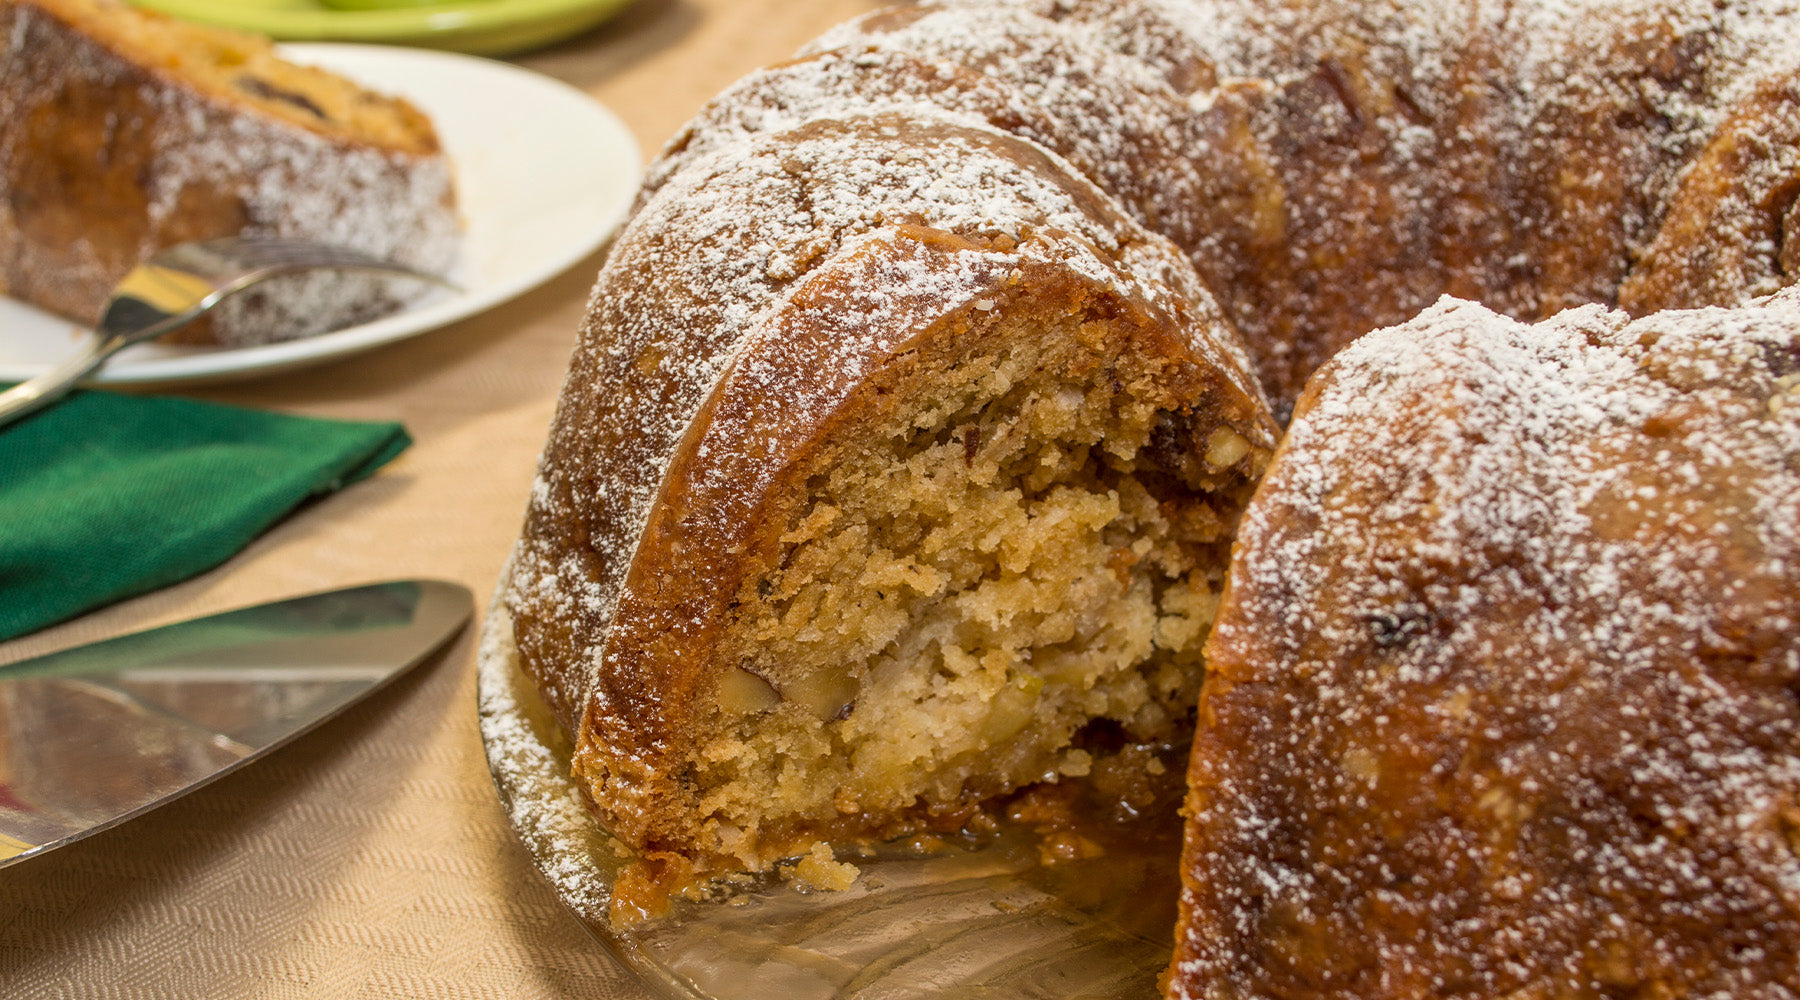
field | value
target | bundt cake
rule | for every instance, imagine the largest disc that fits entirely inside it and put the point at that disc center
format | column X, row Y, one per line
column 917, row 405
column 1504, row 695
column 123, row 132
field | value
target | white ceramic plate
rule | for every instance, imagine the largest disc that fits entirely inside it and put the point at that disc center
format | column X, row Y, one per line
column 543, row 175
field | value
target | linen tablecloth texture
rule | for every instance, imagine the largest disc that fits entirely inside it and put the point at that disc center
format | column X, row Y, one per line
column 105, row 496
column 371, row 858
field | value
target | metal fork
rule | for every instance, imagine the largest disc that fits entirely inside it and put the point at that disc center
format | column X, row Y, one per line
column 175, row 287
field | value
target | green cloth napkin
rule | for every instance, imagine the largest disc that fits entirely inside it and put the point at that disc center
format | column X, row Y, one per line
column 103, row 496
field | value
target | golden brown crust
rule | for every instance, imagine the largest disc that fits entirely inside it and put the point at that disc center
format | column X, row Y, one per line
column 1504, row 693
column 109, row 152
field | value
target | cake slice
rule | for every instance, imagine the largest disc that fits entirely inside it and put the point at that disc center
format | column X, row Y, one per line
column 123, row 132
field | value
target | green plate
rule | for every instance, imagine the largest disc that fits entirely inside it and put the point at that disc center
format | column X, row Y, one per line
column 481, row 27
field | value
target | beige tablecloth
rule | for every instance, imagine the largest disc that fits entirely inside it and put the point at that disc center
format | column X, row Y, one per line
column 371, row 858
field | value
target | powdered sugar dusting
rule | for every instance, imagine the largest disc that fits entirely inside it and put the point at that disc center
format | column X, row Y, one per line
column 1362, row 159
column 1507, row 677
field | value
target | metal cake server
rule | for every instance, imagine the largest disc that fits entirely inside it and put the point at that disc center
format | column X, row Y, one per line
column 93, row 736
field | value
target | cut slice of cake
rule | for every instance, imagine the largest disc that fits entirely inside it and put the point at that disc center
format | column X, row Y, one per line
column 123, row 132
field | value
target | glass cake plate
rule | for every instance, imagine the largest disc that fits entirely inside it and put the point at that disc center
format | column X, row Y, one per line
column 976, row 923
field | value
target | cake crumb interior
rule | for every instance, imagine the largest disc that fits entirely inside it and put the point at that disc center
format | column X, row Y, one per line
column 1002, row 590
